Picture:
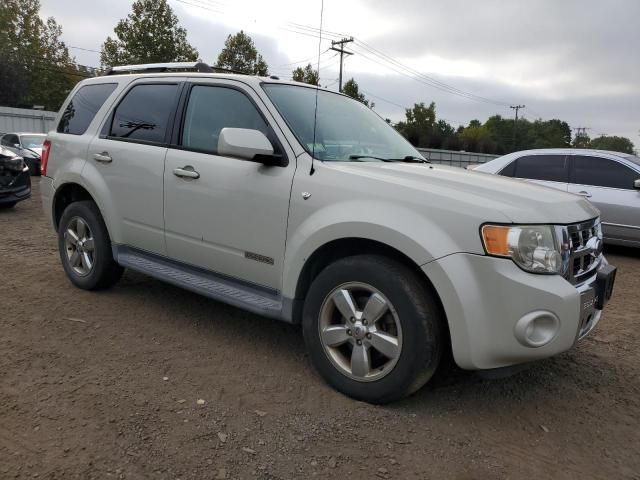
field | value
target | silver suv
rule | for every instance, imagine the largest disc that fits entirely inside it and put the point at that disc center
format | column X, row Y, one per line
column 303, row 205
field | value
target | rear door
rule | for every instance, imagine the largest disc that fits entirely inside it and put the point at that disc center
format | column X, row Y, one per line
column 550, row 170
column 608, row 184
column 129, row 156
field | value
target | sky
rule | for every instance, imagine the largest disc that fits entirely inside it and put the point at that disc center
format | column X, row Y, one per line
column 575, row 60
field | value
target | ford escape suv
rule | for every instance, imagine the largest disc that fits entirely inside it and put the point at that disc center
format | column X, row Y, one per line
column 302, row 204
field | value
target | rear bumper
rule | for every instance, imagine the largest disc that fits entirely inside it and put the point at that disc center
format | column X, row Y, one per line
column 492, row 305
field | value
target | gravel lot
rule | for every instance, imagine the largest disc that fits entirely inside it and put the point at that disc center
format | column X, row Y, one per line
column 112, row 384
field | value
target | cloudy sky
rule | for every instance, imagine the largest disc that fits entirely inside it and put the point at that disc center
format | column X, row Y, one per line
column 575, row 60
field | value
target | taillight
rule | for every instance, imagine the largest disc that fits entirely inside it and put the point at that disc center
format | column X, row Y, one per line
column 44, row 158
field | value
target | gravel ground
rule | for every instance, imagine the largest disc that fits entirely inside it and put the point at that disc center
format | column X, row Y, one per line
column 148, row 381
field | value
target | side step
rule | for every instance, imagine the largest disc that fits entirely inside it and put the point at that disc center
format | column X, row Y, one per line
column 224, row 289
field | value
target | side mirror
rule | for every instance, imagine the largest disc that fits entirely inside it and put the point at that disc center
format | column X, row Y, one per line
column 636, row 184
column 247, row 144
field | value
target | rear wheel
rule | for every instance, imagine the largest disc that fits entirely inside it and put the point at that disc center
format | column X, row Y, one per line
column 85, row 247
column 373, row 328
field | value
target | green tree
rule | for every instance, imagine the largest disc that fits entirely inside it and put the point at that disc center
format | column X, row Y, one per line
column 581, row 141
column 240, row 54
column 419, row 124
column 352, row 89
column 613, row 143
column 306, row 75
column 477, row 138
column 35, row 64
column 149, row 34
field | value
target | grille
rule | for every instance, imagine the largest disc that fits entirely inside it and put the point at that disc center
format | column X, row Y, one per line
column 585, row 242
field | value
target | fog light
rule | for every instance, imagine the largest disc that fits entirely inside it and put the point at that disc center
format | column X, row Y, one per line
column 536, row 329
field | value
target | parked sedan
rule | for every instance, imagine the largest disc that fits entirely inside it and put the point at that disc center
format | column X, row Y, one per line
column 15, row 182
column 610, row 180
column 26, row 145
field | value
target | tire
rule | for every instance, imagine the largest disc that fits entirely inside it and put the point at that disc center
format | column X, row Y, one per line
column 8, row 205
column 103, row 271
column 411, row 304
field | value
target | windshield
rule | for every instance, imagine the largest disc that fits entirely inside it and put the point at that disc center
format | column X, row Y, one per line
column 346, row 129
column 32, row 141
column 631, row 158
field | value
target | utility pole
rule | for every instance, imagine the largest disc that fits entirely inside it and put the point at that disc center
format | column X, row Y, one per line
column 581, row 137
column 515, row 125
column 343, row 52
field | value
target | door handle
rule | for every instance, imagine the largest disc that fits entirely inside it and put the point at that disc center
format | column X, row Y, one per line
column 102, row 157
column 186, row 172
column 582, row 193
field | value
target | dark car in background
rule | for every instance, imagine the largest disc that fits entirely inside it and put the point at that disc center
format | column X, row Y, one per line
column 15, row 182
column 26, row 145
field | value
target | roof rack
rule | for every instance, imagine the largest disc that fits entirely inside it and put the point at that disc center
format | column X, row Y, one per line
column 166, row 67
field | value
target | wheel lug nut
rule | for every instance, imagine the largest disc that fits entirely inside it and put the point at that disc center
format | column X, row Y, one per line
column 359, row 342
column 368, row 335
column 365, row 322
column 349, row 332
column 352, row 319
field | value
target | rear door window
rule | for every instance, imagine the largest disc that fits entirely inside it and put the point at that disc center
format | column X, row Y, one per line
column 145, row 113
column 550, row 168
column 82, row 108
column 601, row 172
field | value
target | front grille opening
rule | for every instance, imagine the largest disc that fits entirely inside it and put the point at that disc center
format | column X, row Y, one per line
column 582, row 263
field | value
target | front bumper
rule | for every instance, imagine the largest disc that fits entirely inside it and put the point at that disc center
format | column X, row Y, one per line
column 16, row 189
column 490, row 305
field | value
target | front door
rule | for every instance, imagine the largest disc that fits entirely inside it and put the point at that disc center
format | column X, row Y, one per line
column 232, row 218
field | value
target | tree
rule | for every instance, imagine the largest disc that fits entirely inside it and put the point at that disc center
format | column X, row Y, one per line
column 581, row 140
column 240, row 54
column 149, row 34
column 613, row 143
column 477, row 138
column 306, row 75
column 35, row 63
column 418, row 124
column 352, row 89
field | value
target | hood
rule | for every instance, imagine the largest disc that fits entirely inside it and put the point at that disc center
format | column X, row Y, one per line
column 492, row 197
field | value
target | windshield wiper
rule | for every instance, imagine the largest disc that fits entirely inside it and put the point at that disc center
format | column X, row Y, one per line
column 358, row 157
column 407, row 159
column 411, row 159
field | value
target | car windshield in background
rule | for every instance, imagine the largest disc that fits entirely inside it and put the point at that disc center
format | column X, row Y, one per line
column 32, row 141
column 346, row 129
column 632, row 159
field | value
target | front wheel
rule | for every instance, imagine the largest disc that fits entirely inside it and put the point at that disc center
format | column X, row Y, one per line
column 373, row 328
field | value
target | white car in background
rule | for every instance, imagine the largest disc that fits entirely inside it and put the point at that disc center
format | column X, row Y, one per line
column 610, row 180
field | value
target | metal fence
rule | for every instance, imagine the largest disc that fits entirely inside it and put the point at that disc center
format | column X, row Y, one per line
column 455, row 159
column 25, row 120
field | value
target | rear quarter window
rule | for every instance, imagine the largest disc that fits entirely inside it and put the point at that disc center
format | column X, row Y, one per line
column 82, row 108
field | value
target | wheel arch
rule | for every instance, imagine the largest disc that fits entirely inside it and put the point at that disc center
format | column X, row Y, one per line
column 344, row 247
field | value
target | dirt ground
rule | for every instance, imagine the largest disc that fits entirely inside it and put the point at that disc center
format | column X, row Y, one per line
column 107, row 385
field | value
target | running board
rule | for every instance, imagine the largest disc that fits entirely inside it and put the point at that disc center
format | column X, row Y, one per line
column 224, row 289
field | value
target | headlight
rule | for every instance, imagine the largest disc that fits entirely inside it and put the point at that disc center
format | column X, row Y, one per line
column 534, row 248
